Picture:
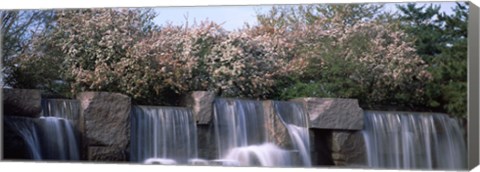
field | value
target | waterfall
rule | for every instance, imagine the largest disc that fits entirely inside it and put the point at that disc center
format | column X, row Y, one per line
column 58, row 139
column 57, row 129
column 52, row 136
column 241, row 135
column 296, row 120
column 27, row 130
column 61, row 108
column 408, row 140
column 164, row 135
column 238, row 123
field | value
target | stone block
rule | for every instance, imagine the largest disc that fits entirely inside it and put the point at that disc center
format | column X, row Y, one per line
column 332, row 113
column 22, row 102
column 201, row 103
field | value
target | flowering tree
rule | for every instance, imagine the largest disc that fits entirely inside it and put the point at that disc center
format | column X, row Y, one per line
column 120, row 50
column 350, row 54
column 89, row 50
column 325, row 51
column 205, row 57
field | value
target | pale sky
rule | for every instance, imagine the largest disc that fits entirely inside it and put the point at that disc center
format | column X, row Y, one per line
column 234, row 17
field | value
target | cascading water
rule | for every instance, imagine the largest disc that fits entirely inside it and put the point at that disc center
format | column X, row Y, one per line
column 241, row 135
column 58, row 139
column 61, row 108
column 50, row 137
column 27, row 130
column 296, row 120
column 407, row 140
column 266, row 154
column 163, row 135
column 57, row 129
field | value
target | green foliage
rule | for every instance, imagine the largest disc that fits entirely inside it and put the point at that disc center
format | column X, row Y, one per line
column 441, row 40
column 18, row 30
column 423, row 28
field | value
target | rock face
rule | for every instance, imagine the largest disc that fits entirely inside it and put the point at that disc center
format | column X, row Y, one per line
column 106, row 125
column 348, row 148
column 329, row 113
column 106, row 153
column 321, row 153
column 276, row 130
column 201, row 103
column 22, row 102
column 207, row 144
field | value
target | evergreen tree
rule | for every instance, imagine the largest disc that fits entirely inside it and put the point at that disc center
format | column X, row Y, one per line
column 441, row 40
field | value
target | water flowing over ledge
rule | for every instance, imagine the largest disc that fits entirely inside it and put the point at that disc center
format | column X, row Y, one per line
column 165, row 135
column 52, row 136
column 408, row 140
column 242, row 135
column 296, row 120
column 305, row 132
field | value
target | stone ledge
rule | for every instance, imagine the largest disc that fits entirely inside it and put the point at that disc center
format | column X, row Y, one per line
column 333, row 113
column 22, row 102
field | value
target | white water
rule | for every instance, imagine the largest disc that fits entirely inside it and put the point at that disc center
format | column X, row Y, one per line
column 238, row 123
column 28, row 131
column 52, row 136
column 404, row 140
column 300, row 139
column 224, row 162
column 58, row 139
column 160, row 161
column 61, row 108
column 57, row 129
column 241, row 135
column 296, row 120
column 267, row 154
column 196, row 161
column 163, row 133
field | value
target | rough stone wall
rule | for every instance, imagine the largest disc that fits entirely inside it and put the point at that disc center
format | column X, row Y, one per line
column 341, row 122
column 206, row 142
column 22, row 102
column 330, row 113
column 105, row 125
column 201, row 103
column 320, row 152
column 348, row 148
column 276, row 131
